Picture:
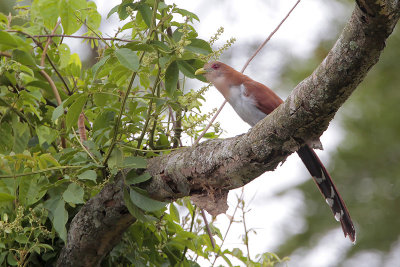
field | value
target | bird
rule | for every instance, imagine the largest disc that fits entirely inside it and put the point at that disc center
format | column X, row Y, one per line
column 253, row 101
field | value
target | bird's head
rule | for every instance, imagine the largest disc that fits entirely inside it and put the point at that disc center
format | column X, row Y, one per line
column 221, row 76
column 214, row 71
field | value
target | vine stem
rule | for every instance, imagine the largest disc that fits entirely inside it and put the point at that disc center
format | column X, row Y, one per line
column 121, row 111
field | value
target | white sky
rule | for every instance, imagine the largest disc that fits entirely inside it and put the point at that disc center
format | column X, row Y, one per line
column 250, row 21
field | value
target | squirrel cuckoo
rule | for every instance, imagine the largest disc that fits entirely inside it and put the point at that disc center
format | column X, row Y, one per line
column 252, row 101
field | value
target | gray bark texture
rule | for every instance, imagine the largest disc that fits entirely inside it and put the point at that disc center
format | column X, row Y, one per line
column 209, row 170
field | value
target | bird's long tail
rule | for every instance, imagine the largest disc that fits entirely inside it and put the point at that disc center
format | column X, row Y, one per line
column 328, row 190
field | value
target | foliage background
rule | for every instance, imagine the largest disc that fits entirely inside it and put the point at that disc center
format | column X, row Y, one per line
column 364, row 166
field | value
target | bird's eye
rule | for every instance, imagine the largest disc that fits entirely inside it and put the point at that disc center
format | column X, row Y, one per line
column 215, row 66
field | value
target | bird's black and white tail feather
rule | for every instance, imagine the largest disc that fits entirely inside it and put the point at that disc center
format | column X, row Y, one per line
column 328, row 189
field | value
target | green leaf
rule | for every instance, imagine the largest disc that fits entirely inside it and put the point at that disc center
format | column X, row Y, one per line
column 70, row 11
column 146, row 13
column 46, row 134
column 27, row 70
column 32, row 189
column 144, row 202
column 104, row 120
column 160, row 46
column 188, row 14
column 23, row 57
column 11, row 260
column 134, row 162
column 177, row 34
column 45, row 247
column 3, row 19
column 57, row 112
column 49, row 158
column 88, row 175
column 48, row 10
column 4, row 197
column 133, row 209
column 162, row 6
column 71, row 100
column 21, row 238
column 116, row 158
column 21, row 136
column 7, row 138
column 74, row 65
column 139, row 46
column 187, row 69
column 7, row 39
column 122, row 13
column 171, row 78
column 73, row 194
column 128, row 58
column 173, row 211
column 97, row 67
column 226, row 259
column 162, row 142
column 65, row 54
column 112, row 11
column 58, row 215
column 100, row 99
column 74, row 110
column 133, row 178
column 93, row 17
column 199, row 46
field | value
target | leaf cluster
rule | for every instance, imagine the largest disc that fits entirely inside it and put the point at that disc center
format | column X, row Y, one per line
column 66, row 129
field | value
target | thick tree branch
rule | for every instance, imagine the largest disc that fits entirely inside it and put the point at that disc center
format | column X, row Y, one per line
column 214, row 167
column 97, row 228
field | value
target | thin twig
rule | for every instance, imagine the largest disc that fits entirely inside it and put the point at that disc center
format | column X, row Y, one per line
column 52, row 85
column 269, row 37
column 47, row 45
column 190, row 231
column 246, row 232
column 39, row 171
column 47, row 57
column 146, row 123
column 210, row 123
column 203, row 214
column 244, row 67
column 48, row 78
column 229, row 227
column 81, row 127
column 84, row 148
column 99, row 37
column 4, row 54
column 157, row 88
column 83, row 37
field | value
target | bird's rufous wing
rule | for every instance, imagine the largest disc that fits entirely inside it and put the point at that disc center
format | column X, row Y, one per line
column 266, row 99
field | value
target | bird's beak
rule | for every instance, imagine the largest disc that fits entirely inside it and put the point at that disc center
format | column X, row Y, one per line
column 200, row 71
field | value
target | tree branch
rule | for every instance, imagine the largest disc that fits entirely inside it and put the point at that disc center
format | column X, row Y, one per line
column 98, row 227
column 214, row 167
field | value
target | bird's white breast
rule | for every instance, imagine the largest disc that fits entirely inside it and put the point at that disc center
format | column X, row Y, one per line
column 245, row 106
